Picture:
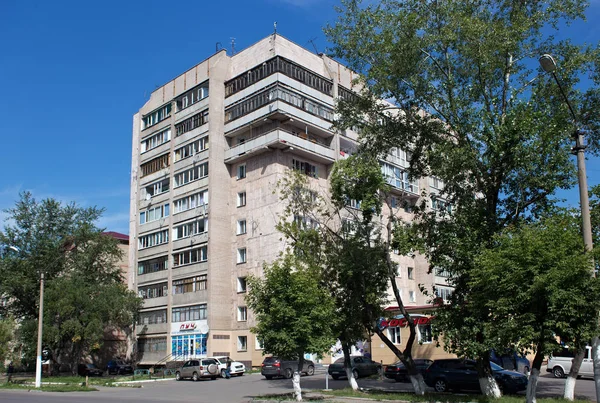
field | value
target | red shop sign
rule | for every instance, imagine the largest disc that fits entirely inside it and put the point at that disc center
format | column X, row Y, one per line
column 402, row 322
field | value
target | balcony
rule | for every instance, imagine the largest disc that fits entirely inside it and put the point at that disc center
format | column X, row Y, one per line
column 311, row 147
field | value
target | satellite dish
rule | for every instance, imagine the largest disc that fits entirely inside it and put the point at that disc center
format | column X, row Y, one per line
column 203, row 328
column 148, row 196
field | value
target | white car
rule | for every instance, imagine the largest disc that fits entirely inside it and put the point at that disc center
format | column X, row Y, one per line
column 560, row 363
column 237, row 368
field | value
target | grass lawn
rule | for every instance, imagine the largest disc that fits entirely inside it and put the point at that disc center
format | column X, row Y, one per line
column 47, row 388
column 435, row 397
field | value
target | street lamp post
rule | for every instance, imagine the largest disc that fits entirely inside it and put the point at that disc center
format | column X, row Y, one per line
column 549, row 65
column 38, row 360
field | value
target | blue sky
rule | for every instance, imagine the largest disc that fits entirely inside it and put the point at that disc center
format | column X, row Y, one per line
column 73, row 73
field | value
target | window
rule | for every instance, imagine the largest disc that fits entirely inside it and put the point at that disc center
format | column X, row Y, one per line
column 152, row 317
column 155, row 165
column 241, row 171
column 411, row 273
column 190, row 175
column 155, row 140
column 241, row 199
column 156, row 116
column 305, row 223
column 444, row 293
column 193, row 96
column 241, row 227
column 153, row 291
column 352, row 203
column 242, row 314
column 411, row 296
column 153, row 265
column 439, row 272
column 154, row 213
column 394, row 335
column 305, row 167
column 191, row 149
column 241, row 284
column 199, row 199
column 425, row 334
column 153, row 239
column 157, row 188
column 241, row 255
column 152, row 344
column 190, row 124
column 398, row 178
column 258, row 343
column 349, row 226
column 192, row 284
column 242, row 343
column 188, row 313
column 191, row 228
column 190, row 256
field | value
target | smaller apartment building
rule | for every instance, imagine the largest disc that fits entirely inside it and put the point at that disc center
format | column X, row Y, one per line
column 209, row 148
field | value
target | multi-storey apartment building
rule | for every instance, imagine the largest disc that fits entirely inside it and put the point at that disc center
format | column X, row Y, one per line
column 208, row 150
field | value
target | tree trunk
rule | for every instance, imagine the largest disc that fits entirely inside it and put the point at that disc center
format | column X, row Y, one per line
column 296, row 377
column 348, row 366
column 573, row 373
column 596, row 358
column 536, row 365
column 487, row 382
column 418, row 384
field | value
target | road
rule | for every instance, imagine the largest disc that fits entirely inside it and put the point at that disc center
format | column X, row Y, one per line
column 243, row 389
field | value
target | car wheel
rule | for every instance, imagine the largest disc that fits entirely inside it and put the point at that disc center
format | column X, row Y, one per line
column 311, row 370
column 288, row 373
column 213, row 378
column 177, row 376
column 223, row 373
column 269, row 377
column 195, row 376
column 440, row 385
column 355, row 373
column 558, row 372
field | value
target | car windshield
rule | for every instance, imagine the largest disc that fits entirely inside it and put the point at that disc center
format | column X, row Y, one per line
column 496, row 367
column 339, row 361
column 269, row 360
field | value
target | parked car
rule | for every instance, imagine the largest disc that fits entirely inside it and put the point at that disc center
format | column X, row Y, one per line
column 511, row 360
column 361, row 367
column 560, row 363
column 275, row 366
column 398, row 372
column 196, row 369
column 458, row 374
column 236, row 367
column 118, row 367
column 89, row 370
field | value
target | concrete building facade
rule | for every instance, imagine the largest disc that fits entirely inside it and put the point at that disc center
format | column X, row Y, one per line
column 208, row 150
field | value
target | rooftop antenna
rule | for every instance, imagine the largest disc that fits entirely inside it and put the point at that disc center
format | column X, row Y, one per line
column 312, row 41
column 275, row 28
column 218, row 46
column 232, row 46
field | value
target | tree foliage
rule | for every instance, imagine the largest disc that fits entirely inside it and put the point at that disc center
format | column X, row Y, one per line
column 469, row 103
column 84, row 295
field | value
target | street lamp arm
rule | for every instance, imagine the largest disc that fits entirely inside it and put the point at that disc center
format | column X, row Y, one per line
column 562, row 91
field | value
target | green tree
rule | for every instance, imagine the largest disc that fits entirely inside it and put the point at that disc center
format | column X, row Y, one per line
column 469, row 104
column 536, row 285
column 294, row 312
column 84, row 296
column 7, row 333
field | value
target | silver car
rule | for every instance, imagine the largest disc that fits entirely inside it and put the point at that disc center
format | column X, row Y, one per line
column 196, row 369
column 560, row 363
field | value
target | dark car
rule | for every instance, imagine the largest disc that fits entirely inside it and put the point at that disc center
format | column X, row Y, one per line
column 118, row 367
column 361, row 367
column 275, row 366
column 399, row 373
column 89, row 370
column 458, row 374
column 511, row 360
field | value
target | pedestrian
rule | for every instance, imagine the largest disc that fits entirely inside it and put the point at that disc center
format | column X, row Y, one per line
column 228, row 369
column 9, row 372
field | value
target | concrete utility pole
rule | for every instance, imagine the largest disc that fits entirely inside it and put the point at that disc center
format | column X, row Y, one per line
column 549, row 65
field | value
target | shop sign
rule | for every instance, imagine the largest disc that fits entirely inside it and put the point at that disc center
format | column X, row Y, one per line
column 402, row 322
column 187, row 326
